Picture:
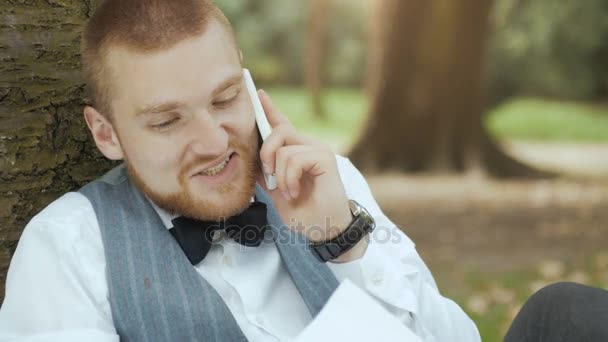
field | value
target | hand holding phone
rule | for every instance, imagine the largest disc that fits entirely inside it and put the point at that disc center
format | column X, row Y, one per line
column 260, row 119
column 312, row 194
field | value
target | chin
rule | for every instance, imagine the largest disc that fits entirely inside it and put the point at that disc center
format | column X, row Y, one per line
column 225, row 201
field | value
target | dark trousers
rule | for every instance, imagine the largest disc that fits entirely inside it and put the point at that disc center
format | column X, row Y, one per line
column 562, row 312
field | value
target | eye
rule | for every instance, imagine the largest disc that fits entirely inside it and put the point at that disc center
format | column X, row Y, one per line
column 165, row 124
column 226, row 102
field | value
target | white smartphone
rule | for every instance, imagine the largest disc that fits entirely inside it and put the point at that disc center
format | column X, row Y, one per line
column 260, row 119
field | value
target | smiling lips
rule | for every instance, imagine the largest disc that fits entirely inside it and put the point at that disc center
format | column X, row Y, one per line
column 212, row 171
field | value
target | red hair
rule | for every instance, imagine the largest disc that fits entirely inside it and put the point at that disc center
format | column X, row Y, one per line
column 141, row 26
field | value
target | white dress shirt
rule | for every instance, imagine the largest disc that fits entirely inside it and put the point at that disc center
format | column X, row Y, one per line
column 56, row 286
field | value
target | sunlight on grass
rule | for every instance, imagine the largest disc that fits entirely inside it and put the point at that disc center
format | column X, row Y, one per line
column 520, row 119
column 544, row 120
column 346, row 110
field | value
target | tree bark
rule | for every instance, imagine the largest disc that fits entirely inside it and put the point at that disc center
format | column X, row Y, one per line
column 316, row 54
column 428, row 98
column 45, row 148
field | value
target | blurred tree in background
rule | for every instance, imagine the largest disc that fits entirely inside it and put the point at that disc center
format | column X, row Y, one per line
column 316, row 53
column 540, row 47
column 426, row 111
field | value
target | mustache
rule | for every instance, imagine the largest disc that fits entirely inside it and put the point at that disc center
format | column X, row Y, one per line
column 239, row 148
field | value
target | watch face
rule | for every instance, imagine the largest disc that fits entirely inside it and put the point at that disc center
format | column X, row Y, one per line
column 358, row 210
column 354, row 207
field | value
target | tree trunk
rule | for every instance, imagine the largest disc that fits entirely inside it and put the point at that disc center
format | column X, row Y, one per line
column 427, row 100
column 316, row 51
column 45, row 148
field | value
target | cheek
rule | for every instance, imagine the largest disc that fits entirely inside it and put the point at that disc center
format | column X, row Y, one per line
column 250, row 127
column 246, row 122
column 248, row 134
column 152, row 154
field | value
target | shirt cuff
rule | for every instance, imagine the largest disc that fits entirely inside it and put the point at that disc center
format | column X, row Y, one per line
column 388, row 278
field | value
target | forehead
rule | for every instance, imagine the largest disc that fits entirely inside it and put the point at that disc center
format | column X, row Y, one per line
column 190, row 68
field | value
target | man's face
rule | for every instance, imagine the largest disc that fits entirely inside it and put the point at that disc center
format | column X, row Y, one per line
column 186, row 126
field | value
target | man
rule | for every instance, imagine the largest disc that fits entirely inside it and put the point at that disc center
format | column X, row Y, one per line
column 140, row 254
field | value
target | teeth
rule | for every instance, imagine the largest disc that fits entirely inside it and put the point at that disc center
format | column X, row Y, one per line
column 216, row 169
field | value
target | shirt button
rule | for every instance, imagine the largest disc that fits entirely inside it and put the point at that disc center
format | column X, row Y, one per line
column 227, row 260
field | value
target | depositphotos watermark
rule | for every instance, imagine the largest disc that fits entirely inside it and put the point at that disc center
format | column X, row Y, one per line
column 296, row 233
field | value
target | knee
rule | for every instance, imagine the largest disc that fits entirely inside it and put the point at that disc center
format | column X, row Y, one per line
column 562, row 291
column 561, row 294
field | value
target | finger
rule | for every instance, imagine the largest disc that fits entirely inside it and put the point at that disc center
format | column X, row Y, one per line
column 293, row 177
column 283, row 156
column 282, row 135
column 274, row 116
column 273, row 142
column 307, row 162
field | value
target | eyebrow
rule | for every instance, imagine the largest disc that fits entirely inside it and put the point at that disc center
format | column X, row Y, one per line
column 236, row 79
column 159, row 108
column 172, row 105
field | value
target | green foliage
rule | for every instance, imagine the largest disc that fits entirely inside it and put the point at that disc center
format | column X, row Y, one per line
column 347, row 47
column 272, row 35
column 539, row 48
column 550, row 48
column 268, row 32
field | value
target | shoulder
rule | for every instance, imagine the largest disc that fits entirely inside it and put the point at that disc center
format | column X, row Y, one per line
column 60, row 254
column 65, row 216
column 70, row 206
column 67, row 226
column 64, row 236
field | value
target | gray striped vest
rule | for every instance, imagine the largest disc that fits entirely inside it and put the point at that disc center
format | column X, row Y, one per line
column 155, row 293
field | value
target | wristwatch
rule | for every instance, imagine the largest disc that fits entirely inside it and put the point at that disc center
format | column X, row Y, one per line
column 361, row 225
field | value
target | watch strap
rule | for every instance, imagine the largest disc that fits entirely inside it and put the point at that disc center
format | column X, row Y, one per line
column 350, row 237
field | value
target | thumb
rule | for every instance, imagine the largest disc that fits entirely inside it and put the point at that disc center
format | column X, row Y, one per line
column 261, row 180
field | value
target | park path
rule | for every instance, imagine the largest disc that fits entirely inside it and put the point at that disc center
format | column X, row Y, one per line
column 463, row 225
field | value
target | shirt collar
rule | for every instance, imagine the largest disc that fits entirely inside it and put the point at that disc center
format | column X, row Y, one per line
column 164, row 215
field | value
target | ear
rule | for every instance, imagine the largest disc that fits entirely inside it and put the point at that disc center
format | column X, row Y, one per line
column 103, row 133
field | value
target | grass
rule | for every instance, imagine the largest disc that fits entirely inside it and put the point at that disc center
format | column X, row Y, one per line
column 546, row 120
column 345, row 108
column 492, row 300
column 520, row 119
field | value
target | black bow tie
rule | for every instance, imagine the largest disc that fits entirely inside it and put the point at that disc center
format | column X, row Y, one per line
column 195, row 237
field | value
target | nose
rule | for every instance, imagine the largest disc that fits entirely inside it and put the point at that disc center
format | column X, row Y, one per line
column 208, row 137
